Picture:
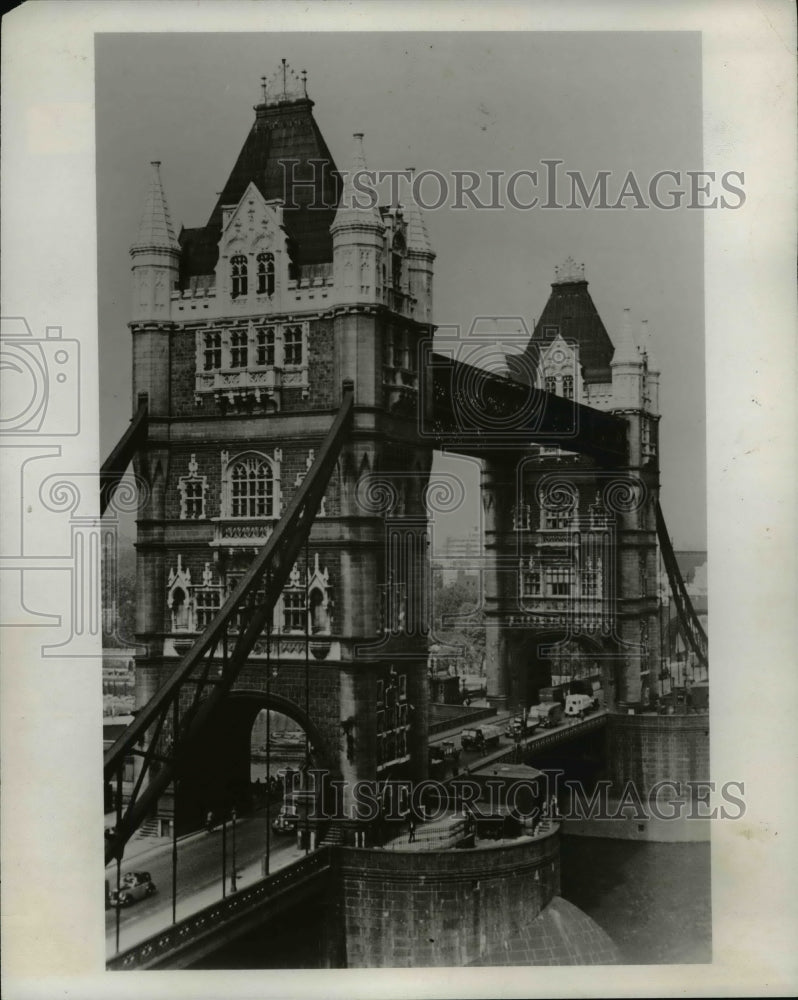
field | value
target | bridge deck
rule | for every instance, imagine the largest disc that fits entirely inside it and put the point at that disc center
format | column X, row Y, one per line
column 188, row 940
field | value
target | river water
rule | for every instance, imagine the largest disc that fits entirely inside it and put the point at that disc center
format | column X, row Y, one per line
column 652, row 899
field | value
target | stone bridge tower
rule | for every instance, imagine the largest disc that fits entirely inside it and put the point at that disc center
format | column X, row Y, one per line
column 571, row 594
column 244, row 330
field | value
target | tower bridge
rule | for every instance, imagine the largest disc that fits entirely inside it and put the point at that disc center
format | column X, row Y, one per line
column 289, row 396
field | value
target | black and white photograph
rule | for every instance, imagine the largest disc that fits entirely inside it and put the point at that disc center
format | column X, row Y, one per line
column 360, row 548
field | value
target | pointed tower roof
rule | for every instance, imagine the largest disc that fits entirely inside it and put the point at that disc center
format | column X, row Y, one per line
column 283, row 144
column 417, row 235
column 626, row 350
column 571, row 314
column 353, row 209
column 155, row 229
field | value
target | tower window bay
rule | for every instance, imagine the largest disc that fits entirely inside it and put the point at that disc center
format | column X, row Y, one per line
column 251, row 489
column 265, row 263
column 212, row 351
column 238, row 349
column 238, row 275
column 264, row 347
column 292, row 345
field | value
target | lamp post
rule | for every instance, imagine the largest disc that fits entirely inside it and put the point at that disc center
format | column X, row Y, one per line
column 224, row 853
column 233, row 873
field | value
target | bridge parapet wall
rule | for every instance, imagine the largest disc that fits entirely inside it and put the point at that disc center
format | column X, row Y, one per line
column 646, row 749
column 439, row 908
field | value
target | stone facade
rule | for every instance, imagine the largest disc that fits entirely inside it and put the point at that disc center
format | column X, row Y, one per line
column 571, row 585
column 646, row 749
column 439, row 908
column 243, row 333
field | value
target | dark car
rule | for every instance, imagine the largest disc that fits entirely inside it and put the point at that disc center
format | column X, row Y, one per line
column 479, row 738
column 132, row 887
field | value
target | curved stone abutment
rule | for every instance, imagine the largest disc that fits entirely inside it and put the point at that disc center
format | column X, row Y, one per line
column 497, row 903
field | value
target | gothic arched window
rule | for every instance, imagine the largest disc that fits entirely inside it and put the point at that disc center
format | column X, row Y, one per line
column 265, row 263
column 295, row 611
column 251, row 484
column 212, row 351
column 239, row 344
column 238, row 274
column 568, row 386
column 264, row 344
column 292, row 345
column 551, row 383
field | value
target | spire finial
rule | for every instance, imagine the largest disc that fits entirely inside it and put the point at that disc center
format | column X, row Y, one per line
column 263, row 88
column 304, row 75
column 284, row 84
column 155, row 228
column 626, row 349
column 569, row 272
column 350, row 209
column 417, row 236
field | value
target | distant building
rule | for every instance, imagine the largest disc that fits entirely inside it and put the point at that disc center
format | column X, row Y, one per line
column 119, row 671
column 459, row 557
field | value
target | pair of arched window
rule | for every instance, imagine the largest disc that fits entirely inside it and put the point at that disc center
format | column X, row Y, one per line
column 239, row 274
column 550, row 384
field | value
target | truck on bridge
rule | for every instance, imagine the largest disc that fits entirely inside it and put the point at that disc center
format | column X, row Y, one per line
column 479, row 737
column 522, row 725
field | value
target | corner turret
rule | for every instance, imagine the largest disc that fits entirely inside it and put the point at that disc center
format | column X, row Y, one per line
column 156, row 256
column 420, row 258
column 627, row 369
column 652, row 367
column 156, row 260
column 357, row 234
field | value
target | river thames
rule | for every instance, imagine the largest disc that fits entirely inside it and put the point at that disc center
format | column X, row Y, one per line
column 653, row 900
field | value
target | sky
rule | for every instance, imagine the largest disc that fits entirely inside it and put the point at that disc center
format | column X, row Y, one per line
column 444, row 101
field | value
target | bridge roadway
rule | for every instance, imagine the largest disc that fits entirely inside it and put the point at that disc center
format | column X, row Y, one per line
column 148, row 939
column 539, row 739
column 199, row 874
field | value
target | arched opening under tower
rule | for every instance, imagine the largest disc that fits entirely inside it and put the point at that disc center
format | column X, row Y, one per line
column 222, row 771
column 548, row 665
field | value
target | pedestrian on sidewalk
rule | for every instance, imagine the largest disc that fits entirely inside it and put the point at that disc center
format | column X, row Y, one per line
column 209, row 822
column 411, row 827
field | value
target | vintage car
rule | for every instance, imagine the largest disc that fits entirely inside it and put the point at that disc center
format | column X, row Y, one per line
column 287, row 820
column 443, row 757
column 445, row 750
column 296, row 808
column 519, row 727
column 132, row 887
column 479, row 737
